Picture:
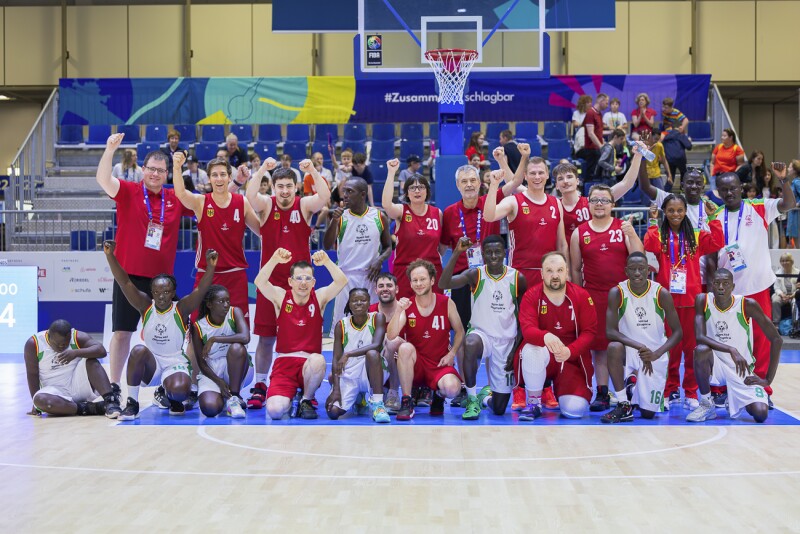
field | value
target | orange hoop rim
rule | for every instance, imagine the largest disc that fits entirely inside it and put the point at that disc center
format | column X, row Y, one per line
column 461, row 53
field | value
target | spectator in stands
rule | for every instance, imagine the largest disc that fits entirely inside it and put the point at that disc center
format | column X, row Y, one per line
column 342, row 172
column 255, row 162
column 266, row 186
column 754, row 171
column 643, row 118
column 173, row 145
column 610, row 164
column 673, row 117
column 286, row 163
column 727, row 156
column 510, row 147
column 236, row 155
column 583, row 104
column 413, row 165
column 793, row 222
column 653, row 168
column 127, row 169
column 475, row 147
column 475, row 162
column 593, row 123
column 615, row 118
column 198, row 176
column 319, row 163
column 749, row 192
column 361, row 170
column 675, row 146
column 785, row 288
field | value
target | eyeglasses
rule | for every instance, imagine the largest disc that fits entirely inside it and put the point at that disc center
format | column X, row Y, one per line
column 601, row 201
column 416, row 187
column 156, row 170
column 302, row 278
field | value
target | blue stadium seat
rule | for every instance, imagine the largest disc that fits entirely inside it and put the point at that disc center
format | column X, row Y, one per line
column 536, row 148
column 244, row 132
column 270, row 133
column 355, row 132
column 132, row 133
column 143, row 149
column 185, row 240
column 355, row 146
column 83, row 240
column 205, row 151
column 297, row 133
column 558, row 149
column 411, row 131
column 266, row 150
column 433, row 131
column 99, row 134
column 410, row 147
column 298, row 151
column 155, row 133
column 108, row 234
column 527, row 131
column 493, row 130
column 321, row 132
column 321, row 146
column 383, row 132
column 555, row 131
column 700, row 132
column 188, row 132
column 70, row 134
column 212, row 133
column 469, row 128
column 382, row 151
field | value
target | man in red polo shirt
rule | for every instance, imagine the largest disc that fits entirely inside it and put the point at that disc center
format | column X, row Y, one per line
column 593, row 123
column 148, row 218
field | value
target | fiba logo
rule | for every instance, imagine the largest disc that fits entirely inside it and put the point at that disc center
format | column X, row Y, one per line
column 374, row 42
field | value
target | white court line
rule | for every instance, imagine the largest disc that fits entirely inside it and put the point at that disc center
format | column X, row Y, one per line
column 721, row 432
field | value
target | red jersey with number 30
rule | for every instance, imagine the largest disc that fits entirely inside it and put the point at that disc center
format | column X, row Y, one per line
column 579, row 214
column 430, row 334
column 222, row 229
column 418, row 236
column 604, row 255
column 299, row 326
column 533, row 232
column 285, row 229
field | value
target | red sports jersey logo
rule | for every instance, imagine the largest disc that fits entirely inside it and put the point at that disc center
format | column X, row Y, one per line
column 210, row 211
column 277, row 216
column 526, row 210
column 591, row 302
column 412, row 323
column 288, row 308
column 587, row 239
column 543, row 311
column 408, row 217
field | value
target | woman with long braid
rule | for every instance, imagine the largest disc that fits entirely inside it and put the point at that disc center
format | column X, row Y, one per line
column 678, row 248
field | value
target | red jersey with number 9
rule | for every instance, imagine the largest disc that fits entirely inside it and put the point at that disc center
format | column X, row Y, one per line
column 430, row 334
column 299, row 326
column 222, row 229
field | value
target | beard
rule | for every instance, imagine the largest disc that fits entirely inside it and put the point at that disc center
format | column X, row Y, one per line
column 555, row 285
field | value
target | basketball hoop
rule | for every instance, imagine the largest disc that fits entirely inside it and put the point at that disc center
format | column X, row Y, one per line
column 451, row 67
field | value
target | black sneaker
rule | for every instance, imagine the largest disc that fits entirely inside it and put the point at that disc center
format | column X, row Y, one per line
column 601, row 403
column 437, row 405
column 630, row 384
column 459, row 399
column 91, row 408
column 176, row 408
column 425, row 397
column 191, row 400
column 160, row 399
column 306, row 410
column 130, row 412
column 675, row 396
column 406, row 412
column 622, row 413
column 112, row 410
column 720, row 399
column 117, row 392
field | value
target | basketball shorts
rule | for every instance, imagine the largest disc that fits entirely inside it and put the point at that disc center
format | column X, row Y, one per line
column 166, row 366
column 75, row 388
column 495, row 354
column 649, row 390
column 287, row 374
column 573, row 378
column 600, row 299
column 739, row 394
column 354, row 380
column 220, row 368
column 427, row 373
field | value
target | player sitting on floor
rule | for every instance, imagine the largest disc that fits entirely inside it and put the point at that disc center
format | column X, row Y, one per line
column 161, row 360
column 220, row 337
column 358, row 366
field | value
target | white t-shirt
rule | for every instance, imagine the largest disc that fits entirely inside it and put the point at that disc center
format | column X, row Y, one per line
column 129, row 175
column 199, row 178
column 578, row 117
column 614, row 120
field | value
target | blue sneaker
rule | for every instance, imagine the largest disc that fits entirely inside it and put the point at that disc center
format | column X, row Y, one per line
column 531, row 412
column 379, row 413
column 360, row 406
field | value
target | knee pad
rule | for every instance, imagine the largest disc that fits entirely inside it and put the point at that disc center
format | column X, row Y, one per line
column 572, row 406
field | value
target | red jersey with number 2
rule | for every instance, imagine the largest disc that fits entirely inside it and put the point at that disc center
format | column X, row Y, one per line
column 222, row 229
column 533, row 232
column 604, row 256
column 299, row 326
column 430, row 334
column 579, row 214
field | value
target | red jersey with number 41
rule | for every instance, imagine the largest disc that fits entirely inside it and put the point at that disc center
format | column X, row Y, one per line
column 533, row 232
column 429, row 334
column 299, row 326
column 222, row 229
column 604, row 255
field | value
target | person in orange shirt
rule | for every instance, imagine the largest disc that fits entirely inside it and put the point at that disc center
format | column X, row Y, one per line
column 727, row 156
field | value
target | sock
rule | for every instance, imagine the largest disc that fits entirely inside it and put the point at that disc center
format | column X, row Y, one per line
column 473, row 391
column 602, row 391
column 262, row 377
column 622, row 396
column 376, row 399
column 705, row 396
column 133, row 392
column 193, row 387
column 533, row 399
column 487, row 400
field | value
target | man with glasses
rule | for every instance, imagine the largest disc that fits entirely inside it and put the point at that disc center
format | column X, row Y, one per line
column 300, row 310
column 148, row 218
column 599, row 250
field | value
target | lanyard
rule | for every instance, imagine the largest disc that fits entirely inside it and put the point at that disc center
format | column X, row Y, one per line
column 682, row 247
column 147, row 203
column 738, row 223
column 464, row 224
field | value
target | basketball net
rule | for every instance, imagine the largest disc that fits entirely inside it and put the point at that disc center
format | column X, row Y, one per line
column 451, row 67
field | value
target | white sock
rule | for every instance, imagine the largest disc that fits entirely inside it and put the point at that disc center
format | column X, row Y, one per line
column 193, row 387
column 262, row 377
column 706, row 396
column 533, row 399
column 621, row 396
column 473, row 391
column 487, row 400
column 133, row 392
column 375, row 399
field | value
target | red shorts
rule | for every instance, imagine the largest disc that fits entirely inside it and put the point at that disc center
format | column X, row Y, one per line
column 600, row 299
column 286, row 377
column 574, row 379
column 426, row 373
column 236, row 284
column 404, row 284
column 266, row 323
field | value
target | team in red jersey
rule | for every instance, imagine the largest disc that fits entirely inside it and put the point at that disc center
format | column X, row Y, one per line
column 299, row 311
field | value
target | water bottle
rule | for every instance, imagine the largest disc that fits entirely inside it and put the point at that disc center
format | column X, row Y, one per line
column 295, row 405
column 646, row 154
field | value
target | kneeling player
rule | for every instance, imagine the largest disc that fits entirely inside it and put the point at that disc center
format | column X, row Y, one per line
column 426, row 358
column 724, row 355
column 493, row 329
column 386, row 289
column 558, row 325
column 65, row 374
column 220, row 338
column 638, row 352
column 358, row 367
column 299, row 362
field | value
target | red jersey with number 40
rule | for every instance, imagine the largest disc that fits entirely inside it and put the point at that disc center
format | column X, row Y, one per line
column 418, row 236
column 299, row 326
column 604, row 256
column 533, row 232
column 222, row 229
column 430, row 334
column 579, row 214
column 285, row 229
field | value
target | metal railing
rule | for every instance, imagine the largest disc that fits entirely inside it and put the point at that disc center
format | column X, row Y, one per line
column 720, row 119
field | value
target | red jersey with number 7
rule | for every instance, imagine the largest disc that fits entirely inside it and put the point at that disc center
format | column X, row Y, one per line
column 222, row 229
column 429, row 334
column 299, row 325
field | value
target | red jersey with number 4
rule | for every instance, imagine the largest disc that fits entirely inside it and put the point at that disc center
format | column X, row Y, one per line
column 579, row 214
column 430, row 334
column 285, row 229
column 222, row 229
column 604, row 256
column 418, row 236
column 299, row 326
column 533, row 232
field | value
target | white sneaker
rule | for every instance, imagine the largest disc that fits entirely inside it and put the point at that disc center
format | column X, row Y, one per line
column 690, row 403
column 704, row 412
column 233, row 408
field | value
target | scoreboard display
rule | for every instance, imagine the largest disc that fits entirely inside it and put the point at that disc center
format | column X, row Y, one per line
column 19, row 307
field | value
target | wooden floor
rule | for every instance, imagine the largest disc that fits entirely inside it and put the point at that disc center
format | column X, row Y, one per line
column 92, row 475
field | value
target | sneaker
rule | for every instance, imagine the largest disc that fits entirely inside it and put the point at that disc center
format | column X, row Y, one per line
column 425, row 397
column 459, row 400
column 117, row 392
column 112, row 409
column 307, row 410
column 630, row 385
column 691, row 403
column 233, row 408
column 612, row 399
column 191, row 400
column 675, row 396
column 406, row 412
column 130, row 412
column 176, row 408
column 531, row 412
column 600, row 404
column 720, row 399
column 549, row 400
column 437, row 405
column 485, row 396
column 519, row 401
column 91, row 408
column 360, row 406
column 705, row 411
column 473, row 408
column 379, row 414
column 258, row 396
column 622, row 413
column 160, row 399
column 392, row 403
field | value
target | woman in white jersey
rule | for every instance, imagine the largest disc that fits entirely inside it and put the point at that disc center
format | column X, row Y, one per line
column 161, row 360
column 358, row 367
column 220, row 337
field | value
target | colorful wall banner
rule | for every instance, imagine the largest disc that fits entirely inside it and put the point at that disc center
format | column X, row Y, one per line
column 343, row 99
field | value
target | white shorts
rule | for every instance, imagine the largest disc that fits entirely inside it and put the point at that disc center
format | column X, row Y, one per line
column 354, row 380
column 77, row 389
column 220, row 368
column 495, row 354
column 649, row 390
column 354, row 279
column 739, row 394
column 167, row 366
